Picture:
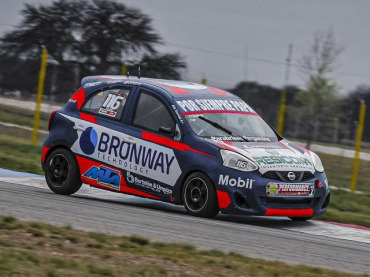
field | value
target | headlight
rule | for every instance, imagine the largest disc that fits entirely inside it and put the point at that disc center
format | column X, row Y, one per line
column 234, row 160
column 317, row 162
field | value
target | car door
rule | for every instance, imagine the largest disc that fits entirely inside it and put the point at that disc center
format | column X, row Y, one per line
column 153, row 166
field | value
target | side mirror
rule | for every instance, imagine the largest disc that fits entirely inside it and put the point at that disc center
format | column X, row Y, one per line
column 166, row 130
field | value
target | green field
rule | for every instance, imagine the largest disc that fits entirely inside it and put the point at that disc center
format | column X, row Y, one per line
column 339, row 172
column 11, row 114
column 36, row 249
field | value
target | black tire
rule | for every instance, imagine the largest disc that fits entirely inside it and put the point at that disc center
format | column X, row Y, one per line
column 199, row 196
column 300, row 218
column 62, row 173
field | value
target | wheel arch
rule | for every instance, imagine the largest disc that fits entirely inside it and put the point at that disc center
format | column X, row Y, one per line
column 180, row 191
column 54, row 147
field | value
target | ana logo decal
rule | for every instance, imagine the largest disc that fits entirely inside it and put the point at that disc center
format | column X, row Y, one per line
column 88, row 141
column 104, row 176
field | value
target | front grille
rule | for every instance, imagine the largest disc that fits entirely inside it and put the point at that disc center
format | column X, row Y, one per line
column 283, row 176
column 276, row 200
column 288, row 203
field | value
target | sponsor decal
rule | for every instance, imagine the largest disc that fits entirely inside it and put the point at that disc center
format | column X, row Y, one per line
column 272, row 152
column 289, row 190
column 88, row 141
column 104, row 176
column 93, row 84
column 145, row 157
column 133, row 156
column 264, row 146
column 132, row 83
column 177, row 114
column 213, row 105
column 241, row 138
column 146, row 184
column 225, row 180
column 280, row 160
column 112, row 104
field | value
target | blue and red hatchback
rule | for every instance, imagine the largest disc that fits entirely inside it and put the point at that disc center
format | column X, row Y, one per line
column 182, row 143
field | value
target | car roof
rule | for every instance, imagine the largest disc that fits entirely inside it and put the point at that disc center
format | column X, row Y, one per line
column 175, row 88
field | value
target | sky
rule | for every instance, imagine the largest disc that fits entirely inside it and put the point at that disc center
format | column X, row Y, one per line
column 231, row 41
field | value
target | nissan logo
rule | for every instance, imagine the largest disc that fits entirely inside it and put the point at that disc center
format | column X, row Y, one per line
column 291, row 176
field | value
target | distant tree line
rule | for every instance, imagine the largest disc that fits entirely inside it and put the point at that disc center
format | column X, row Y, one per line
column 83, row 38
column 337, row 127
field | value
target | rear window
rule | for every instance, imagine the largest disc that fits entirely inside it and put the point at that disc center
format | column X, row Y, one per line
column 107, row 103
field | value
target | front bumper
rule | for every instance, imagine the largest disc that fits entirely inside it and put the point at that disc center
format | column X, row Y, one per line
column 247, row 195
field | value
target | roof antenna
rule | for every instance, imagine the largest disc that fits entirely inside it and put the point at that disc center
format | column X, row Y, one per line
column 139, row 73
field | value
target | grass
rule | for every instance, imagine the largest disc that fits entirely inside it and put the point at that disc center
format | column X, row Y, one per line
column 62, row 251
column 348, row 208
column 339, row 172
column 18, row 154
column 19, row 116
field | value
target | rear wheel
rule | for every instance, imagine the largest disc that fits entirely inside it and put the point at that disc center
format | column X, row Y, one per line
column 199, row 196
column 62, row 173
column 300, row 218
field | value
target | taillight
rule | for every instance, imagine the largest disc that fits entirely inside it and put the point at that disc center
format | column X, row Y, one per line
column 52, row 115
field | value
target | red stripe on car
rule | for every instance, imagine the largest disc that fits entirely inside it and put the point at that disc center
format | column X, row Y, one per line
column 289, row 212
column 219, row 111
column 176, row 89
column 218, row 91
column 170, row 143
column 223, row 198
column 88, row 117
column 44, row 151
column 79, row 96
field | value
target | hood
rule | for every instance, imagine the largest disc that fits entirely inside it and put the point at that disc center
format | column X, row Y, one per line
column 272, row 156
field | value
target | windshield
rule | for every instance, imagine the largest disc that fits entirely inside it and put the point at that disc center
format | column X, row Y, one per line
column 231, row 126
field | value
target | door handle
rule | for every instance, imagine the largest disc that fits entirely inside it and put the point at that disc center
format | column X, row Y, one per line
column 79, row 128
column 129, row 140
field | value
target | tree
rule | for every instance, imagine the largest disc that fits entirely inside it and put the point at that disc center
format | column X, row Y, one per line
column 318, row 103
column 84, row 38
column 256, row 94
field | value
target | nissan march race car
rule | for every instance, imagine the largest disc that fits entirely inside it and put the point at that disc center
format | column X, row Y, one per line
column 183, row 143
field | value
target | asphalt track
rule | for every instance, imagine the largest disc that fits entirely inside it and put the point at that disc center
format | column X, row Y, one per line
column 311, row 243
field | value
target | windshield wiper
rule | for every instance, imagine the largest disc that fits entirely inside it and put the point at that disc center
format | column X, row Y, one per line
column 216, row 125
column 220, row 127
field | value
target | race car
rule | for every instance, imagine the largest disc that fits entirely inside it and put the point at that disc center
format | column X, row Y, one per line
column 183, row 143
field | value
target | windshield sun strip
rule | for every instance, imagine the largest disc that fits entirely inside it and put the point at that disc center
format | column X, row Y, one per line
column 213, row 111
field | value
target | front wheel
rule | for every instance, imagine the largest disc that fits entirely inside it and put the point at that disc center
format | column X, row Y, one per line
column 62, row 173
column 199, row 196
column 300, row 218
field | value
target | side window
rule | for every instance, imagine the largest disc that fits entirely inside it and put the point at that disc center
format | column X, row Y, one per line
column 108, row 103
column 152, row 114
